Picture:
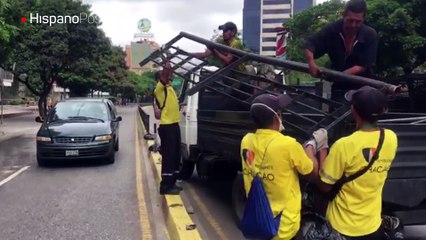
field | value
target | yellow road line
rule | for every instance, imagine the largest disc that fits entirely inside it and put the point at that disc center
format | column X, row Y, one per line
column 215, row 225
column 143, row 213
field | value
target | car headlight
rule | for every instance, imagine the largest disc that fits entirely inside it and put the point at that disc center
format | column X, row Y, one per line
column 103, row 138
column 43, row 139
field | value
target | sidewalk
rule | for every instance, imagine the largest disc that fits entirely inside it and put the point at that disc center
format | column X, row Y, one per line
column 16, row 122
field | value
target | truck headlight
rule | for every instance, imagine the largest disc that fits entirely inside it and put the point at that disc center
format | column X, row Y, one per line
column 43, row 139
column 103, row 138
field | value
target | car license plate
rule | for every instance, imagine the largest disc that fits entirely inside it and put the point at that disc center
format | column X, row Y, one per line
column 71, row 153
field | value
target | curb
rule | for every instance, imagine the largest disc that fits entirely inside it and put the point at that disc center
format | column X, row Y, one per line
column 17, row 114
column 179, row 224
column 9, row 136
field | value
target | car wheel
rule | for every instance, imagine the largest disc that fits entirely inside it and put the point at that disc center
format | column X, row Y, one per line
column 111, row 158
column 41, row 162
column 116, row 146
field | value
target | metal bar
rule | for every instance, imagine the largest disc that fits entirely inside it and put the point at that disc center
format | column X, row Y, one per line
column 193, row 64
column 196, row 68
column 294, row 126
column 158, row 52
column 403, row 119
column 227, row 95
column 332, row 124
column 329, row 75
column 232, row 88
column 300, row 116
column 181, row 63
column 214, row 76
column 291, row 89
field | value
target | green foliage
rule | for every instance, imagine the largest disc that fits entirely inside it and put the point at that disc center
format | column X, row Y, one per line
column 143, row 83
column 7, row 30
column 400, row 24
column 307, row 23
column 76, row 56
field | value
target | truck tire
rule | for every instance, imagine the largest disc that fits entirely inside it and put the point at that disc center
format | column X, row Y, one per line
column 186, row 169
column 238, row 199
column 187, row 164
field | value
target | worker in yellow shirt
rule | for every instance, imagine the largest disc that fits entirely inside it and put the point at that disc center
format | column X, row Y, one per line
column 278, row 159
column 355, row 212
column 166, row 109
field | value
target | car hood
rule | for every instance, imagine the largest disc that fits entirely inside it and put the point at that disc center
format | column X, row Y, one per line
column 77, row 129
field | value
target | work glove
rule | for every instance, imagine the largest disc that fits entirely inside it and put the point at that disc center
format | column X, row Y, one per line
column 321, row 138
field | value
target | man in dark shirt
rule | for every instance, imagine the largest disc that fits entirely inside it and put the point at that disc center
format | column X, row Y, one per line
column 351, row 46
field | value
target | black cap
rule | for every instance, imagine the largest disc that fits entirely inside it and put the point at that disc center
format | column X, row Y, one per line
column 266, row 106
column 228, row 26
column 367, row 101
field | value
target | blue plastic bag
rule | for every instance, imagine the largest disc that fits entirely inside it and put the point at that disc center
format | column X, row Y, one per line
column 258, row 220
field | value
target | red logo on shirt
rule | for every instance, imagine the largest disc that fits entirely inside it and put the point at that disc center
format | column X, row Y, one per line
column 248, row 156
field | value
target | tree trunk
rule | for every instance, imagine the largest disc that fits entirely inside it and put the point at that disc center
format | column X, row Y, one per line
column 42, row 106
column 411, row 90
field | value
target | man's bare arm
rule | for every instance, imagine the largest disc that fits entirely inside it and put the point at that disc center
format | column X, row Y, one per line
column 227, row 58
column 313, row 68
column 313, row 176
column 355, row 70
column 324, row 187
column 203, row 55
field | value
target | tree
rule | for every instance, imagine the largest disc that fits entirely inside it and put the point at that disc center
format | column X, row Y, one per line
column 143, row 84
column 7, row 31
column 48, row 53
column 401, row 26
column 402, row 45
column 307, row 23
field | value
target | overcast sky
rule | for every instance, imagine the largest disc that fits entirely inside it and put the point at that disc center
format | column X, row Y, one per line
column 168, row 17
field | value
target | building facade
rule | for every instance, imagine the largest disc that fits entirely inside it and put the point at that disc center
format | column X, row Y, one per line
column 261, row 18
column 136, row 52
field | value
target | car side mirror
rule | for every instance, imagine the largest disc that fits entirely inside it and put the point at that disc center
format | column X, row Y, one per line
column 38, row 119
column 118, row 119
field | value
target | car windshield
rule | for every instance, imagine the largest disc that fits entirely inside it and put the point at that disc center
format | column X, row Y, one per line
column 79, row 110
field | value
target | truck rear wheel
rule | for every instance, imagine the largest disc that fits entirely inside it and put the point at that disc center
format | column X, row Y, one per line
column 238, row 199
column 187, row 164
column 186, row 169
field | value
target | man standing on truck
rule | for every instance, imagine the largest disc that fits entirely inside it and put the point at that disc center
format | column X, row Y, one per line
column 355, row 212
column 350, row 45
column 277, row 159
column 166, row 109
column 229, row 38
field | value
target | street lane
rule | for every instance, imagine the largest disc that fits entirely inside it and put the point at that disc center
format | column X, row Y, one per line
column 17, row 143
column 75, row 200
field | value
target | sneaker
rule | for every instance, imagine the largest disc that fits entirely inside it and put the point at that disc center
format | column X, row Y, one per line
column 170, row 191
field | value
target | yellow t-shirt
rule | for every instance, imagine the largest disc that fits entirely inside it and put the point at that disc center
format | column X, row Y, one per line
column 356, row 210
column 170, row 106
column 283, row 159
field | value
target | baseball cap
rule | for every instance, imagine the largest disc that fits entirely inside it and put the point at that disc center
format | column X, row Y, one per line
column 228, row 26
column 266, row 106
column 367, row 101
